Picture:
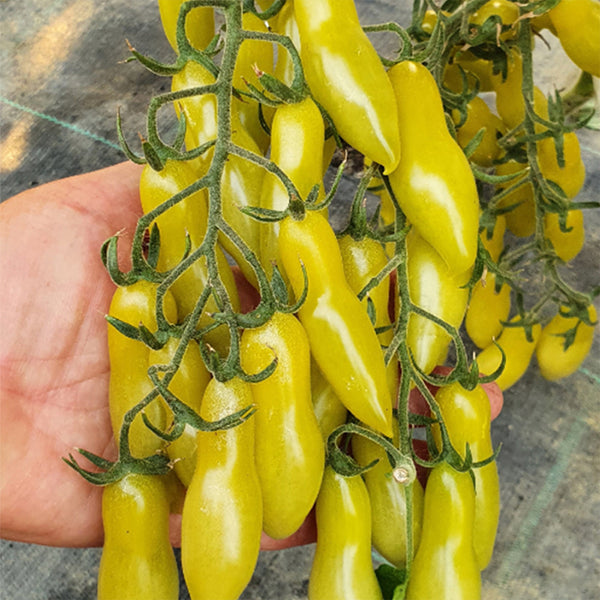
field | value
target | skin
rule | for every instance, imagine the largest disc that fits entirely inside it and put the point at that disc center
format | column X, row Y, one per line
column 54, row 367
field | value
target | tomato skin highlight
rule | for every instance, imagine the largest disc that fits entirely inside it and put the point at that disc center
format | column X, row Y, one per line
column 433, row 287
column 199, row 23
column 467, row 416
column 188, row 217
column 553, row 360
column 129, row 381
column 518, row 350
column 347, row 78
column 445, row 566
column 242, row 180
column 433, row 182
column 388, row 503
column 364, row 259
column 290, row 454
column 486, row 311
column 342, row 338
column 577, row 23
column 222, row 513
column 566, row 244
column 137, row 561
column 301, row 160
column 342, row 566
column 188, row 385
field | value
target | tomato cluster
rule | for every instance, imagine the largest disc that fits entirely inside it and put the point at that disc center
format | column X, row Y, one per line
column 243, row 416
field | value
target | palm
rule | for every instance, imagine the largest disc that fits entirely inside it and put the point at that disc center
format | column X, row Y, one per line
column 54, row 362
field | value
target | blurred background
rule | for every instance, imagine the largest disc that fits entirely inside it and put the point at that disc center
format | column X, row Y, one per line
column 63, row 77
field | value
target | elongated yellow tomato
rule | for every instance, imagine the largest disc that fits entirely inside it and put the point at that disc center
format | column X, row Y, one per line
column 137, row 559
column 507, row 11
column 252, row 54
column 520, row 220
column 479, row 116
column 242, row 180
column 486, row 311
column 435, row 289
column 474, row 67
column 554, row 361
column 297, row 136
column 518, row 350
column 129, row 381
column 567, row 244
column 445, row 566
column 199, row 23
column 363, row 260
column 577, row 23
column 388, row 503
column 187, row 217
column 342, row 338
column 347, row 78
column 510, row 103
column 285, row 24
column 466, row 414
column 342, row 568
column 222, row 513
column 328, row 408
column 495, row 244
column 188, row 384
column 433, row 183
column 571, row 176
column 290, row 455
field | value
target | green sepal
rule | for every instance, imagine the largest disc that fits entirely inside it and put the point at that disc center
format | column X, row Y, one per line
column 493, row 376
column 153, row 65
column 153, row 246
column 124, row 328
column 474, row 143
column 132, row 156
column 109, row 257
column 346, row 466
column 392, row 582
column 261, row 375
column 264, row 215
column 154, row 341
column 156, row 464
column 278, row 286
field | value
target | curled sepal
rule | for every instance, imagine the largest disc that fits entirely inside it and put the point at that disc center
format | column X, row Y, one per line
column 278, row 89
column 153, row 246
column 151, row 64
column 403, row 468
column 110, row 260
column 132, row 156
column 405, row 51
column 261, row 375
column 267, row 14
column 154, row 341
column 152, row 157
column 264, row 215
column 141, row 333
column 493, row 376
column 278, row 286
column 293, row 308
column 333, row 190
column 156, row 464
column 168, row 436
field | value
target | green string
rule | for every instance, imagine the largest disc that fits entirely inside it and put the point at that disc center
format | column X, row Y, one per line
column 56, row 121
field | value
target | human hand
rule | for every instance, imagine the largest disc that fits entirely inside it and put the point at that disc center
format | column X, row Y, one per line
column 54, row 366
